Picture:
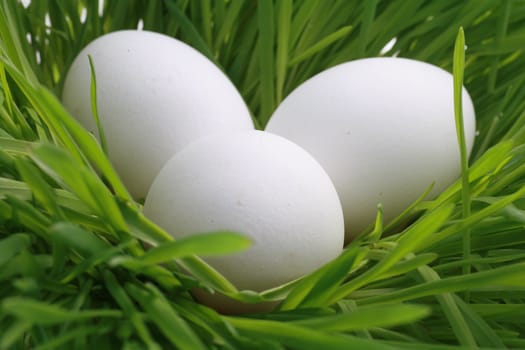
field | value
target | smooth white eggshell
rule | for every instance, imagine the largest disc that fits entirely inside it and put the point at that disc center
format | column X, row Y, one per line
column 258, row 184
column 382, row 128
column 155, row 95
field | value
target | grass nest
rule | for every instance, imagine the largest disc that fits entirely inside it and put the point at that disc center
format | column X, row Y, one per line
column 76, row 270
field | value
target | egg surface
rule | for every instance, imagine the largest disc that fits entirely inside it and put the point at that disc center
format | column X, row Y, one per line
column 155, row 94
column 260, row 185
column 382, row 128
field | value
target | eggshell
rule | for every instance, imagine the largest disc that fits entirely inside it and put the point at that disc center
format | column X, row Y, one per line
column 155, row 94
column 382, row 128
column 257, row 184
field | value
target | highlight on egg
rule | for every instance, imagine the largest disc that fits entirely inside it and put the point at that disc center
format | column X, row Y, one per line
column 155, row 95
column 258, row 184
column 382, row 128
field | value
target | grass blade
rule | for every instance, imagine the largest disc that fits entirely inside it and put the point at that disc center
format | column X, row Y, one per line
column 316, row 289
column 189, row 29
column 297, row 337
column 510, row 275
column 366, row 317
column 164, row 316
column 85, row 185
column 410, row 241
column 265, row 16
column 459, row 63
column 85, row 243
column 322, row 44
column 38, row 312
column 94, row 108
column 10, row 246
column 205, row 244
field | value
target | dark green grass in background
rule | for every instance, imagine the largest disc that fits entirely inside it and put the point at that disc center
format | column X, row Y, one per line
column 73, row 270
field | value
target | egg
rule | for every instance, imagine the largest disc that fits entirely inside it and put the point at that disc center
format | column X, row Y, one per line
column 257, row 184
column 382, row 128
column 155, row 95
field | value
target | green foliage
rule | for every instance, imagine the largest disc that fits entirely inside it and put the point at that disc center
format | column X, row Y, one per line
column 81, row 267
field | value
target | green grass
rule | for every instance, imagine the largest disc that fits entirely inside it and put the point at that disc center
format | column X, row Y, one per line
column 74, row 268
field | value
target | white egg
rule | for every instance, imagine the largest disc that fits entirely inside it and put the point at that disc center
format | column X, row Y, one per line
column 155, row 95
column 382, row 128
column 260, row 185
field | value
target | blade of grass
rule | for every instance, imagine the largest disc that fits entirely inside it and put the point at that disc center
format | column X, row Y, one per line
column 459, row 63
column 39, row 312
column 369, row 13
column 165, row 317
column 41, row 190
column 60, row 165
column 11, row 40
column 485, row 335
column 284, row 19
column 142, row 228
column 474, row 218
column 205, row 244
column 94, row 107
column 265, row 15
column 125, row 302
column 297, row 337
column 76, row 333
column 64, row 125
column 504, row 276
column 315, row 289
column 11, row 245
column 189, row 29
column 13, row 333
column 319, row 46
column 84, row 242
column 458, row 324
column 411, row 239
column 366, row 317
